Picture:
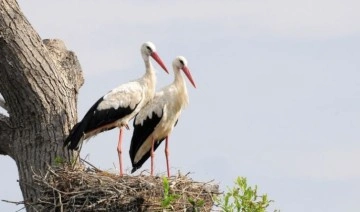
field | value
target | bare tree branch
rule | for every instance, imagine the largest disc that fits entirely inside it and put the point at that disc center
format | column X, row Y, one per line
column 5, row 135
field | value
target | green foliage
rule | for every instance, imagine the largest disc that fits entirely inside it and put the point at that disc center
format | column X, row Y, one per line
column 59, row 161
column 168, row 197
column 242, row 198
column 196, row 204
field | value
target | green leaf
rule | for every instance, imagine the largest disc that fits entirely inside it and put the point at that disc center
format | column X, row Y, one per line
column 59, row 160
column 242, row 198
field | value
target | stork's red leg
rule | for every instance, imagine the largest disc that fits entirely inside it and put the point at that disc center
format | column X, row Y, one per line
column 119, row 150
column 152, row 157
column 167, row 152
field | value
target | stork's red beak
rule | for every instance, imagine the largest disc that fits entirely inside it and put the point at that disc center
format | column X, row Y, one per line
column 159, row 61
column 188, row 75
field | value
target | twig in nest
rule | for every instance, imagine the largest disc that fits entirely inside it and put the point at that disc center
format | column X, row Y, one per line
column 77, row 156
column 88, row 163
column 13, row 202
column 67, row 189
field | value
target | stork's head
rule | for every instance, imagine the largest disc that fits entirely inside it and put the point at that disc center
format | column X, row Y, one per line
column 148, row 49
column 180, row 63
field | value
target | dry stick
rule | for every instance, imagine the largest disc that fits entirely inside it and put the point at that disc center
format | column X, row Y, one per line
column 95, row 203
column 20, row 209
column 51, row 171
column 88, row 163
column 60, row 202
column 54, row 203
column 13, row 202
column 77, row 156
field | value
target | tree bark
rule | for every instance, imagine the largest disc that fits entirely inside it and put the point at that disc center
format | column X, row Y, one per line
column 39, row 81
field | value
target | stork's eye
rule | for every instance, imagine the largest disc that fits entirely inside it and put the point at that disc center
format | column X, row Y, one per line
column 148, row 47
column 182, row 62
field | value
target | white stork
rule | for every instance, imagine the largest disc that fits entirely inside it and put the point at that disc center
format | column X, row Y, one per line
column 118, row 106
column 158, row 118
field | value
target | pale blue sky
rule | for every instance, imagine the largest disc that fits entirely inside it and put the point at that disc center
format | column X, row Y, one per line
column 277, row 98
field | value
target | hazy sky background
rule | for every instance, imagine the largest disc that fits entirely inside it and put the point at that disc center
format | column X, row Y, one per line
column 277, row 98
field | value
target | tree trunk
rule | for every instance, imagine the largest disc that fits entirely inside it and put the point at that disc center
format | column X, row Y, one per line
column 39, row 81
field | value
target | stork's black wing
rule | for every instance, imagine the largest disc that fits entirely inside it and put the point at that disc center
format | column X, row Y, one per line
column 140, row 135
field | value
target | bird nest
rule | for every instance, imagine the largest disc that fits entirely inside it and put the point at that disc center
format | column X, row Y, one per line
column 89, row 189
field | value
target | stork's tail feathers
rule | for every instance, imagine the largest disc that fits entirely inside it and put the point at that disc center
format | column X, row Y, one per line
column 137, row 165
column 72, row 142
column 134, row 169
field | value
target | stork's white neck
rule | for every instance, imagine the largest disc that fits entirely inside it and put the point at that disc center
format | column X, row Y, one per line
column 179, row 82
column 148, row 64
column 149, row 80
column 178, row 78
column 150, row 72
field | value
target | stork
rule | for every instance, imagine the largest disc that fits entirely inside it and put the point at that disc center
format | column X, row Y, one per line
column 119, row 106
column 157, row 119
